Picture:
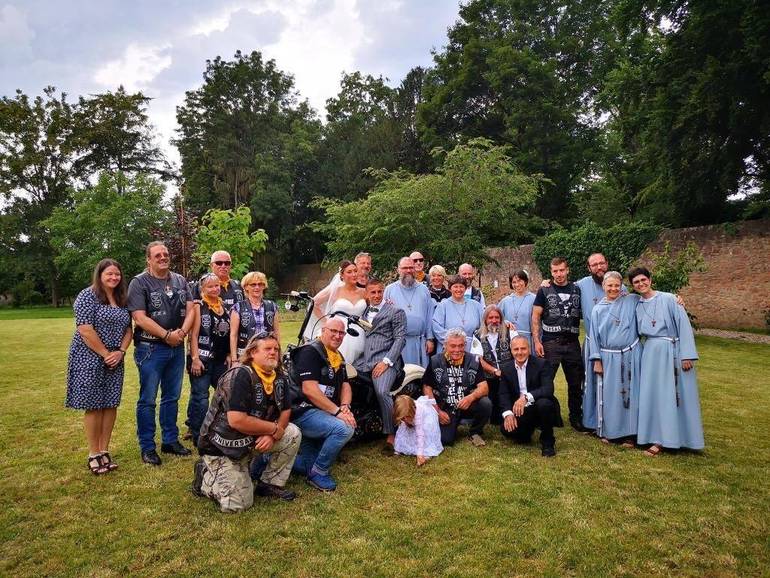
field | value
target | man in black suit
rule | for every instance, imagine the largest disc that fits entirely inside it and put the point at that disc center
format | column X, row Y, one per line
column 382, row 352
column 527, row 400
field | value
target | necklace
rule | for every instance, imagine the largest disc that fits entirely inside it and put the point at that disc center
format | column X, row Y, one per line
column 593, row 292
column 408, row 301
column 521, row 304
column 647, row 313
column 457, row 308
column 614, row 305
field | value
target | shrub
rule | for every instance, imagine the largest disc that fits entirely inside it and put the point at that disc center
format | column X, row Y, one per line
column 671, row 273
column 620, row 244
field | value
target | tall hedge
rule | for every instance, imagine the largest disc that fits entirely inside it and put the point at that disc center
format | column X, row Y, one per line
column 621, row 244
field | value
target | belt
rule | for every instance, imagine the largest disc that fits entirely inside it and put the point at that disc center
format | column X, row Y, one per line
column 522, row 331
column 671, row 339
column 624, row 350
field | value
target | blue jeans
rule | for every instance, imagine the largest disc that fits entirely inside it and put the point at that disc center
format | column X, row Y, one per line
column 323, row 437
column 159, row 366
column 199, row 396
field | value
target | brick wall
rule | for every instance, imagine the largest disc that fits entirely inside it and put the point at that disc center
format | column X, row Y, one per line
column 733, row 292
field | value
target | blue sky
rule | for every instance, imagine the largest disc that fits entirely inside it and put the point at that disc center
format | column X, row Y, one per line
column 160, row 46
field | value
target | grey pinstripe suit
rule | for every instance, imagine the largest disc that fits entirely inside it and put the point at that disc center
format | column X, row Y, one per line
column 386, row 339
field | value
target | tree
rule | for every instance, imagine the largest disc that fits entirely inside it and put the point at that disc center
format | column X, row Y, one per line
column 523, row 73
column 475, row 199
column 246, row 139
column 228, row 230
column 114, row 218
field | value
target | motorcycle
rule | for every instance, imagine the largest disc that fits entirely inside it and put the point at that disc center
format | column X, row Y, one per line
column 364, row 404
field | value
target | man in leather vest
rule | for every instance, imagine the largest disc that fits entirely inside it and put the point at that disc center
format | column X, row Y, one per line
column 221, row 265
column 494, row 336
column 557, row 312
column 468, row 272
column 250, row 413
column 456, row 381
column 161, row 307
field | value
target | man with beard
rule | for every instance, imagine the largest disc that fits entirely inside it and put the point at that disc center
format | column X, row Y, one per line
column 419, row 267
column 250, row 410
column 496, row 345
column 468, row 272
column 363, row 263
column 415, row 300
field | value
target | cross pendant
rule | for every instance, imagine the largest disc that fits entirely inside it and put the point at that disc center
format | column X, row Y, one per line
column 410, row 308
column 653, row 323
column 617, row 322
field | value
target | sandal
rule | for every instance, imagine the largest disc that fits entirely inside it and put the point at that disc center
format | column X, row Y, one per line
column 653, row 450
column 96, row 466
column 106, row 460
column 627, row 444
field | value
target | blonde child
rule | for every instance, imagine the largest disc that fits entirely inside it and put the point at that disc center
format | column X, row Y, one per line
column 418, row 431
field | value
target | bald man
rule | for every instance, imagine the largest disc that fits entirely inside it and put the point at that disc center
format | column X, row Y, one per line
column 468, row 272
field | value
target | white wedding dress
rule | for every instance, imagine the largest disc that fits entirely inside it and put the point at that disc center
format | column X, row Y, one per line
column 352, row 346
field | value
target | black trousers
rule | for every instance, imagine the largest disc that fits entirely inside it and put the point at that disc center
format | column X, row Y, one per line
column 494, row 392
column 566, row 352
column 541, row 414
column 479, row 411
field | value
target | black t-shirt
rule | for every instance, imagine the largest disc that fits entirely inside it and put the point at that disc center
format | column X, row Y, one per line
column 564, row 292
column 230, row 296
column 163, row 300
column 253, row 400
column 309, row 365
column 448, row 397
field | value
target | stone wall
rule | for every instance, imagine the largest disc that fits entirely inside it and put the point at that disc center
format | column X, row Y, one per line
column 733, row 292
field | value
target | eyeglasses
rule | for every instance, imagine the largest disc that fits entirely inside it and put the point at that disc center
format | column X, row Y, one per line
column 223, row 263
column 335, row 331
column 255, row 284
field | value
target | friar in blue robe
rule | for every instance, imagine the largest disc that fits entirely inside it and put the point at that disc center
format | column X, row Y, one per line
column 415, row 300
column 450, row 314
column 669, row 404
column 615, row 342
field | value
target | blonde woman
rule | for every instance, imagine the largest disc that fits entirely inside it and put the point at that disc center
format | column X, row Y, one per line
column 253, row 315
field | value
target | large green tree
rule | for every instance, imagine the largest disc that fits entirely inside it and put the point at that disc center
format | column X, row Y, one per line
column 523, row 73
column 245, row 138
column 475, row 199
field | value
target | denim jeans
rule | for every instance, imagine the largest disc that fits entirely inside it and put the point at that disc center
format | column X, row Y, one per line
column 159, row 366
column 323, row 436
column 199, row 396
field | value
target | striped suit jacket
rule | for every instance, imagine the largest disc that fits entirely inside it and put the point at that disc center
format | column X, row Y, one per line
column 386, row 338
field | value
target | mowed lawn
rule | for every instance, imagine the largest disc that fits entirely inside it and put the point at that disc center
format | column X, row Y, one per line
column 594, row 510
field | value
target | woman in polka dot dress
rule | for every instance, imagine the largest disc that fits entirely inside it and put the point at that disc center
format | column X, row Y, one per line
column 95, row 368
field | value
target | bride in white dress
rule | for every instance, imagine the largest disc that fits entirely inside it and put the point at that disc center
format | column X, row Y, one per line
column 341, row 294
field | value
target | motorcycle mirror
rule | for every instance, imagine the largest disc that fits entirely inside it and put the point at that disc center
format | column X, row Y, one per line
column 353, row 332
column 288, row 305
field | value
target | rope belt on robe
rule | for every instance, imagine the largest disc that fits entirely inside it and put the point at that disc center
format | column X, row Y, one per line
column 673, row 341
column 625, row 371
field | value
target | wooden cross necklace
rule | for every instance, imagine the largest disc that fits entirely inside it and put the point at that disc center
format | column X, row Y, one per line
column 647, row 314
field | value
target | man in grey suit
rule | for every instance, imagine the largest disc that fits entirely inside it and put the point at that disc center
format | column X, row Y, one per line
column 382, row 351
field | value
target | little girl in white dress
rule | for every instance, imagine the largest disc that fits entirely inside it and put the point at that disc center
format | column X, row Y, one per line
column 418, row 431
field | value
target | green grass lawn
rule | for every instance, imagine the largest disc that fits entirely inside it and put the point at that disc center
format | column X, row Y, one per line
column 594, row 510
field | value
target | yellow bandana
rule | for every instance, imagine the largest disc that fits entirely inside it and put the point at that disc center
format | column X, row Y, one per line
column 419, row 276
column 225, row 284
column 214, row 304
column 335, row 358
column 455, row 363
column 267, row 378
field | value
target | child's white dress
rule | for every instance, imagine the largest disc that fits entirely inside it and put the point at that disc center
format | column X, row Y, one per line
column 424, row 439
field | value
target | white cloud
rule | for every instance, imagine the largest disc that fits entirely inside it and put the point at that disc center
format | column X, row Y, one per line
column 138, row 66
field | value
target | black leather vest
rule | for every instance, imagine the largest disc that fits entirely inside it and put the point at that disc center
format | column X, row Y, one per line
column 247, row 327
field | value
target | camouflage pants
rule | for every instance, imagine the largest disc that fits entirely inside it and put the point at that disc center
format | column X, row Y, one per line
column 228, row 481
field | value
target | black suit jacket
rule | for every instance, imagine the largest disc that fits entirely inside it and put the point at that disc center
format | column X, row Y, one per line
column 539, row 383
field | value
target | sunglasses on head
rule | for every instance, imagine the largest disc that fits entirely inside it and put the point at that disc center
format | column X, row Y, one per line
column 223, row 263
column 260, row 336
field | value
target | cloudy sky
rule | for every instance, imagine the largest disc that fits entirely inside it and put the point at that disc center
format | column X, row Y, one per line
column 160, row 46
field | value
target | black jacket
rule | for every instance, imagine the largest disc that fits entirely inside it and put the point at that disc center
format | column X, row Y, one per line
column 539, row 383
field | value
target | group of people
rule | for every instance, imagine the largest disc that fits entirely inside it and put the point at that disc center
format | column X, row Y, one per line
column 633, row 382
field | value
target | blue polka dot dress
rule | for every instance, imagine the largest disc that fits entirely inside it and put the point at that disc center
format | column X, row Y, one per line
column 90, row 383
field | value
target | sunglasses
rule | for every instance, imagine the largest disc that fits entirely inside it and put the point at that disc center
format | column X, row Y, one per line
column 223, row 263
column 260, row 336
column 420, row 260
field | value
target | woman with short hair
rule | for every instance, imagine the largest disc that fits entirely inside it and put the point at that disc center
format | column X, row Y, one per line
column 438, row 291
column 252, row 315
column 209, row 353
column 517, row 306
column 95, row 367
column 669, row 405
column 456, row 312
column 611, row 399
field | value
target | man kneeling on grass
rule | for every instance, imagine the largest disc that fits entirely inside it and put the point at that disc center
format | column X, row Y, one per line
column 456, row 381
column 250, row 410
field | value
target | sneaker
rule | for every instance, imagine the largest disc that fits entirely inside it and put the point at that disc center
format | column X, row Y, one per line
column 271, row 491
column 477, row 440
column 198, row 469
column 175, row 448
column 322, row 482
